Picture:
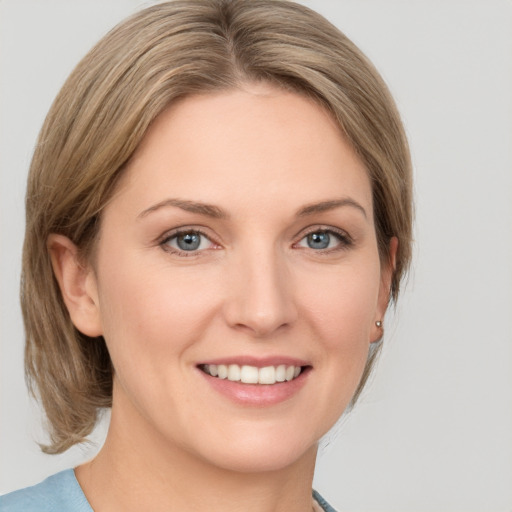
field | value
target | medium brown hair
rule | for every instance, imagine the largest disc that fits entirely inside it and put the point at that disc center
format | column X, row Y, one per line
column 100, row 116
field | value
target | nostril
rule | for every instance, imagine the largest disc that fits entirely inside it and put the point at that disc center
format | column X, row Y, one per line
column 259, row 329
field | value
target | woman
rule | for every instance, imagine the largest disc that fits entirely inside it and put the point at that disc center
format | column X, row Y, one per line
column 218, row 213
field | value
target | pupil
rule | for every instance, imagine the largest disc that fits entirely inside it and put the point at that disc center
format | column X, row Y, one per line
column 318, row 240
column 189, row 242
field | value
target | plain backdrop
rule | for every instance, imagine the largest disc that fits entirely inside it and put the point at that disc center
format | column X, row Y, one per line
column 433, row 431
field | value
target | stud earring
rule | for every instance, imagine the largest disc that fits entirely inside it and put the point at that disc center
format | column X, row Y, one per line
column 378, row 323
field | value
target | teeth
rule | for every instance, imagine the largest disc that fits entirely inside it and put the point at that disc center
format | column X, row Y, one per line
column 222, row 370
column 281, row 373
column 252, row 374
column 233, row 372
column 249, row 374
column 267, row 375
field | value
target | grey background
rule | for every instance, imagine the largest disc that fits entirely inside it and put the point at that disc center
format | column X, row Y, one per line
column 433, row 432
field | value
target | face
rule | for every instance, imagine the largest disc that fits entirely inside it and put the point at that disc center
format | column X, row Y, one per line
column 237, row 279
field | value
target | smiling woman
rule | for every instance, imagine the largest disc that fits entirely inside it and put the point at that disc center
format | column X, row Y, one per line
column 218, row 213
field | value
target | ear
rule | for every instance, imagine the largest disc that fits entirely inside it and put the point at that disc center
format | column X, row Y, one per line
column 77, row 284
column 386, row 277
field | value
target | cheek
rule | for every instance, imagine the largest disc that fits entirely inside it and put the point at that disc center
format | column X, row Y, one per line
column 152, row 315
column 151, row 304
column 342, row 304
column 341, row 309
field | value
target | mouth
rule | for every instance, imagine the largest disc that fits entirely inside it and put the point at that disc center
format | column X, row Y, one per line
column 247, row 374
column 253, row 382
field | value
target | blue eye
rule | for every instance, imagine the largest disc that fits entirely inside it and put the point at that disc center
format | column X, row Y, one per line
column 324, row 239
column 188, row 241
column 320, row 240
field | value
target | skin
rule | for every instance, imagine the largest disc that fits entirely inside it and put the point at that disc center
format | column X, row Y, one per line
column 254, row 288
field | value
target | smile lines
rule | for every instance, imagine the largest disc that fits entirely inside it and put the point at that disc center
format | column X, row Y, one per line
column 252, row 374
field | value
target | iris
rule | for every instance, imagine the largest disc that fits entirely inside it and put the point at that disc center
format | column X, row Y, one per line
column 319, row 240
column 189, row 241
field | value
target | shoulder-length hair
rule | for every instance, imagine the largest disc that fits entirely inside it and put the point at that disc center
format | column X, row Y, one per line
column 150, row 60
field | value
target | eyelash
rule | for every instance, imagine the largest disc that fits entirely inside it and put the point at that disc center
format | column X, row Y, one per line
column 180, row 232
column 344, row 239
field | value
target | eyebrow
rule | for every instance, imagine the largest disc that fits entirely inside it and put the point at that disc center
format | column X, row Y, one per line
column 330, row 205
column 208, row 210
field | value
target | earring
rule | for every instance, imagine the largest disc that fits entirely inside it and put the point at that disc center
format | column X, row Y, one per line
column 378, row 323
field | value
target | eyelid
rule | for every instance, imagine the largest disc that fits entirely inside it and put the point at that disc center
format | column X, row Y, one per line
column 163, row 239
column 326, row 229
column 343, row 236
column 345, row 240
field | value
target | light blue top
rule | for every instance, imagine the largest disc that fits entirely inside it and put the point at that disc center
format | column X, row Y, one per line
column 62, row 493
column 58, row 493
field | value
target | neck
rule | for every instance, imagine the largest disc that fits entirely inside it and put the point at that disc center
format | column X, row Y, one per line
column 136, row 469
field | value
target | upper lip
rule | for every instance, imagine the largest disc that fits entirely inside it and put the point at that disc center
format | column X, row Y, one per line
column 259, row 362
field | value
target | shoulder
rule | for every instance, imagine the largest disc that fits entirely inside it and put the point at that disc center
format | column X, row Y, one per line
column 323, row 505
column 57, row 493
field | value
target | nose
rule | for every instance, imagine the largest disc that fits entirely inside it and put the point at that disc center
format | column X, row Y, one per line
column 260, row 295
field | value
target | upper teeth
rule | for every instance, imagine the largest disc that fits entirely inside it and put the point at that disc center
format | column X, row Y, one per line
column 252, row 374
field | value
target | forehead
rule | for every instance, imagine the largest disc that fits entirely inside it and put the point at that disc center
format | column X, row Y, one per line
column 262, row 144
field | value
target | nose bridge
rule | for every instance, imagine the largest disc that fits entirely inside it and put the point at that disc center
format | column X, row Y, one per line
column 262, row 299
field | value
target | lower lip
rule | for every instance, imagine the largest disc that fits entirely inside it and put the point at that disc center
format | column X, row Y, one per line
column 257, row 395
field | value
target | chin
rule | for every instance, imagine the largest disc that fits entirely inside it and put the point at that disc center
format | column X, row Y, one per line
column 261, row 451
column 251, row 459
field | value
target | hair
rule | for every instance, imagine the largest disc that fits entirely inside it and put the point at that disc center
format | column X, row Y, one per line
column 150, row 60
